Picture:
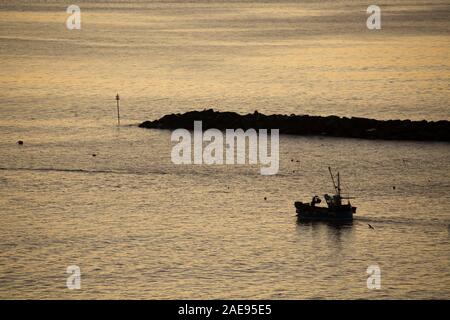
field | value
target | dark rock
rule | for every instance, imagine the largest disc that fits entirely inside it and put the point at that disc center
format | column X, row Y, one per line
column 353, row 127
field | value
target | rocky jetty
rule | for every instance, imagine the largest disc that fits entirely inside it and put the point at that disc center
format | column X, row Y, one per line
column 309, row 125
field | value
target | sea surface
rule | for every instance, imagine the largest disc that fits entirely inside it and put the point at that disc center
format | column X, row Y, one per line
column 141, row 227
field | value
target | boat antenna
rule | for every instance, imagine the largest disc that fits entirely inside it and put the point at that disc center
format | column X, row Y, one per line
column 339, row 184
column 332, row 179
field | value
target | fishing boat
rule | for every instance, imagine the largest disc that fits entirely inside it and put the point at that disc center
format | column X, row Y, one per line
column 335, row 210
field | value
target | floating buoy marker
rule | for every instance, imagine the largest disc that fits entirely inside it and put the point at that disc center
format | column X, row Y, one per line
column 118, row 109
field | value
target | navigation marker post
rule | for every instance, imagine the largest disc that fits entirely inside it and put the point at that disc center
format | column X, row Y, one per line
column 118, row 109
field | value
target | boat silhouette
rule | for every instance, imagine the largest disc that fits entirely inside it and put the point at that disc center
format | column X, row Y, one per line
column 335, row 209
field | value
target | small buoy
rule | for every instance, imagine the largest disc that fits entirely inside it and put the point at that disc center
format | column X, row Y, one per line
column 265, row 198
column 292, row 160
column 393, row 187
column 94, row 155
column 20, row 142
column 293, row 171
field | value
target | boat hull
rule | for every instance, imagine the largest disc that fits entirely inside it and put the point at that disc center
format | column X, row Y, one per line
column 306, row 211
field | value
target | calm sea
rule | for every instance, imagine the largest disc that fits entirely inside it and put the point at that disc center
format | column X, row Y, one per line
column 139, row 226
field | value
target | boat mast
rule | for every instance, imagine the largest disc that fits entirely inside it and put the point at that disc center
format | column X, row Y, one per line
column 336, row 188
column 338, row 185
